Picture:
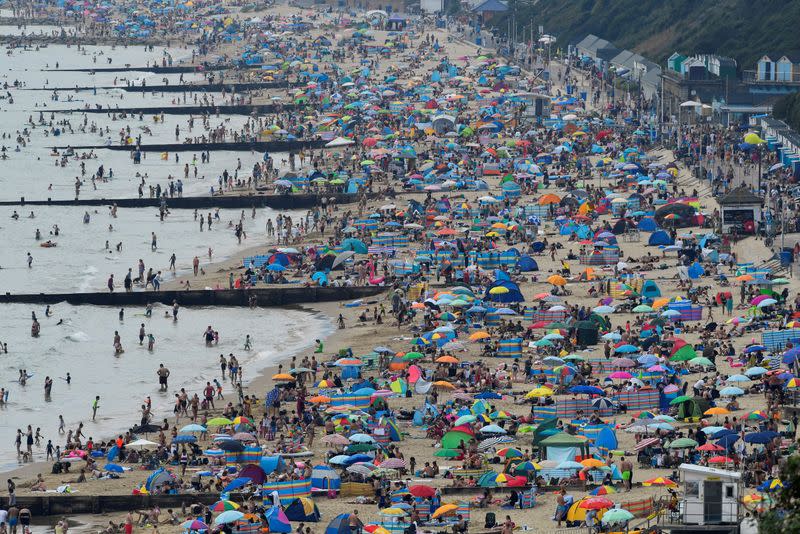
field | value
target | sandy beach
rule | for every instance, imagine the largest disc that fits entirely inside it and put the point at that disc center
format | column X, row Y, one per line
column 362, row 333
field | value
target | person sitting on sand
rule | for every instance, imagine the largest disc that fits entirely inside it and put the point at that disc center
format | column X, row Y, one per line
column 40, row 484
column 81, row 478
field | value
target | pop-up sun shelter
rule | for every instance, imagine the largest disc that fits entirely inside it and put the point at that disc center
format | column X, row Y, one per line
column 563, row 447
column 692, row 408
column 650, row 289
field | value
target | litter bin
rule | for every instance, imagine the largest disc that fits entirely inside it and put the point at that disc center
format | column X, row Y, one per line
column 786, row 256
column 583, row 95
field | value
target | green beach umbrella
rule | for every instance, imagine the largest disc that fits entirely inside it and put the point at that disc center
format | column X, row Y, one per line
column 683, row 354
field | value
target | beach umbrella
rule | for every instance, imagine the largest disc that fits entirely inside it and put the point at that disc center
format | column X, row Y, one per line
column 228, row 516
column 527, row 467
column 620, row 375
column 731, row 391
column 141, row 444
column 596, row 503
column 557, row 280
column 539, row 392
column 193, row 428
column 626, row 349
column 509, row 452
column 492, row 429
column 659, row 481
column 221, row 506
column 444, row 510
column 602, row 403
column 761, row 438
column 710, row 447
column 701, row 361
column 393, row 463
column 465, row 419
column 737, row 378
column 194, row 524
column 362, row 438
column 114, row 468
column 727, row 440
column 447, row 453
column 756, row 415
column 616, row 515
column 603, row 490
column 683, row 443
column 770, row 485
column 755, row 371
column 591, row 390
column 422, row 491
column 219, row 421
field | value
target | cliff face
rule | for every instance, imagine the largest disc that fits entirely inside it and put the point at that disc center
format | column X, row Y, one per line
column 741, row 29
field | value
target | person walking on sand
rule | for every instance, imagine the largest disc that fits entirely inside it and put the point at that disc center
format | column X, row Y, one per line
column 95, row 406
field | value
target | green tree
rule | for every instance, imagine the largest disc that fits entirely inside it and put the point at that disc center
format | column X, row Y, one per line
column 785, row 517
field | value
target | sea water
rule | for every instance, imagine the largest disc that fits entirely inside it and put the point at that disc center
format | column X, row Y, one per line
column 82, row 343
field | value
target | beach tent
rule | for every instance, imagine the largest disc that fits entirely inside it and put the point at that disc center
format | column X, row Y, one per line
column 512, row 295
column 545, row 429
column 254, row 473
column 488, row 480
column 158, row 478
column 586, row 332
column 695, row 271
column 660, row 238
column 692, row 408
column 527, row 264
column 647, row 224
column 302, row 509
column 277, row 520
column 272, row 464
column 453, row 439
column 650, row 289
column 606, row 440
column 563, row 447
column 339, row 525
column 324, row 477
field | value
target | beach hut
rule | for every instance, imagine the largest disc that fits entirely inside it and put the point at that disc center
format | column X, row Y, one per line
column 302, row 509
column 660, row 237
column 324, row 477
column 710, row 496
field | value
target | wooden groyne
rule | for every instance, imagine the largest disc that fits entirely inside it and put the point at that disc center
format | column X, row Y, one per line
column 232, row 87
column 73, row 504
column 276, row 295
column 242, row 109
column 158, row 69
column 278, row 202
column 241, row 146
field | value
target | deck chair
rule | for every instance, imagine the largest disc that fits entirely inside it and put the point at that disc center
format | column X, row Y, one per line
column 490, row 521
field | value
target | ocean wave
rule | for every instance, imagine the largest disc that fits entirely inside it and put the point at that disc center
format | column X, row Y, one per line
column 78, row 337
